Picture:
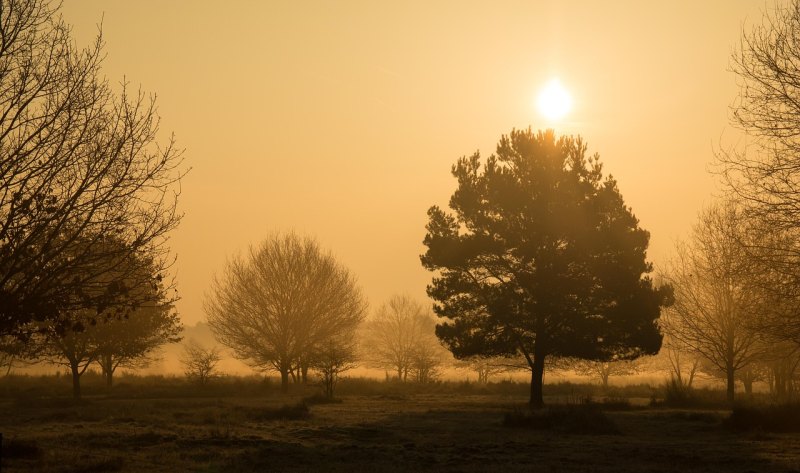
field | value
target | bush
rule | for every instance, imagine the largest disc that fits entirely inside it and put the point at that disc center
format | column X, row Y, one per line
column 612, row 404
column 297, row 411
column 320, row 398
column 571, row 419
column 22, row 449
column 674, row 394
column 774, row 418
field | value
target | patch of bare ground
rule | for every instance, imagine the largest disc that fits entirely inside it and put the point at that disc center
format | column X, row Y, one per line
column 431, row 432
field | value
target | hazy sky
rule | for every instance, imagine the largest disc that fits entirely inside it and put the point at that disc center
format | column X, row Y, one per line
column 341, row 120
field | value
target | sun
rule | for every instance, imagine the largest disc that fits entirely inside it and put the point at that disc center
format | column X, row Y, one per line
column 554, row 101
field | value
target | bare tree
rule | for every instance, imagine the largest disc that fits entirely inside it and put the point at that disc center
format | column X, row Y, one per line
column 765, row 175
column 427, row 359
column 401, row 337
column 488, row 367
column 683, row 365
column 333, row 357
column 80, row 164
column 125, row 329
column 200, row 363
column 130, row 340
column 715, row 294
column 783, row 370
column 603, row 370
column 274, row 307
column 767, row 63
column 72, row 347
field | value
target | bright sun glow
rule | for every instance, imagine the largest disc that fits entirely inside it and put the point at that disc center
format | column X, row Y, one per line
column 554, row 101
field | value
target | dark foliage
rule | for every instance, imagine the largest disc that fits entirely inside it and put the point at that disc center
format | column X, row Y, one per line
column 297, row 411
column 21, row 449
column 673, row 394
column 541, row 257
column 571, row 419
column 770, row 418
column 320, row 398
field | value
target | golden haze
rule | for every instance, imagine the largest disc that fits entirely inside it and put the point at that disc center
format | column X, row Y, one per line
column 342, row 119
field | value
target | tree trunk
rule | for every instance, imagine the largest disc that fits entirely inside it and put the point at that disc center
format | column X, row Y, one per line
column 108, row 370
column 748, row 386
column 284, row 380
column 731, row 383
column 304, row 372
column 537, row 374
column 693, row 371
column 76, row 381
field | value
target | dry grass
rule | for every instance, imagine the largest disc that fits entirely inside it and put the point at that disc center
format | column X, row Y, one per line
column 405, row 431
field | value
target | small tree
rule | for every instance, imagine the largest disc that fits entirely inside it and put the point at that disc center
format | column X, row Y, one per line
column 286, row 298
column 73, row 347
column 145, row 319
column 332, row 358
column 427, row 360
column 716, row 294
column 400, row 337
column 603, row 370
column 199, row 362
column 488, row 367
column 130, row 340
column 783, row 371
column 683, row 366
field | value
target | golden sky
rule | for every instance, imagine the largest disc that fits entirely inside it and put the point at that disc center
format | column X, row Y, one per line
column 341, row 120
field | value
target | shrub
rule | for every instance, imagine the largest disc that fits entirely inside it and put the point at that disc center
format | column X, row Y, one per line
column 22, row 449
column 571, row 419
column 674, row 394
column 320, row 398
column 297, row 411
column 773, row 418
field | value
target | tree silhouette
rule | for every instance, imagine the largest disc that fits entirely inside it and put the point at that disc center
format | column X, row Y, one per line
column 717, row 295
column 331, row 358
column 541, row 257
column 400, row 337
column 79, row 164
column 282, row 302
column 122, row 331
column 200, row 363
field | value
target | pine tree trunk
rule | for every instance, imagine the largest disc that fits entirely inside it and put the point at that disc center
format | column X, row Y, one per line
column 537, row 375
column 108, row 370
column 731, row 383
column 284, row 380
column 76, row 381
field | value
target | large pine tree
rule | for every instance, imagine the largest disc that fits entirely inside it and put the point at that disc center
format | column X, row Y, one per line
column 540, row 257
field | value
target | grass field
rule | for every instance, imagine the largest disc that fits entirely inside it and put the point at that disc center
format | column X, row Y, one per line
column 434, row 429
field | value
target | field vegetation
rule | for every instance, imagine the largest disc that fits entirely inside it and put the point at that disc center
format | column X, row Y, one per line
column 156, row 423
